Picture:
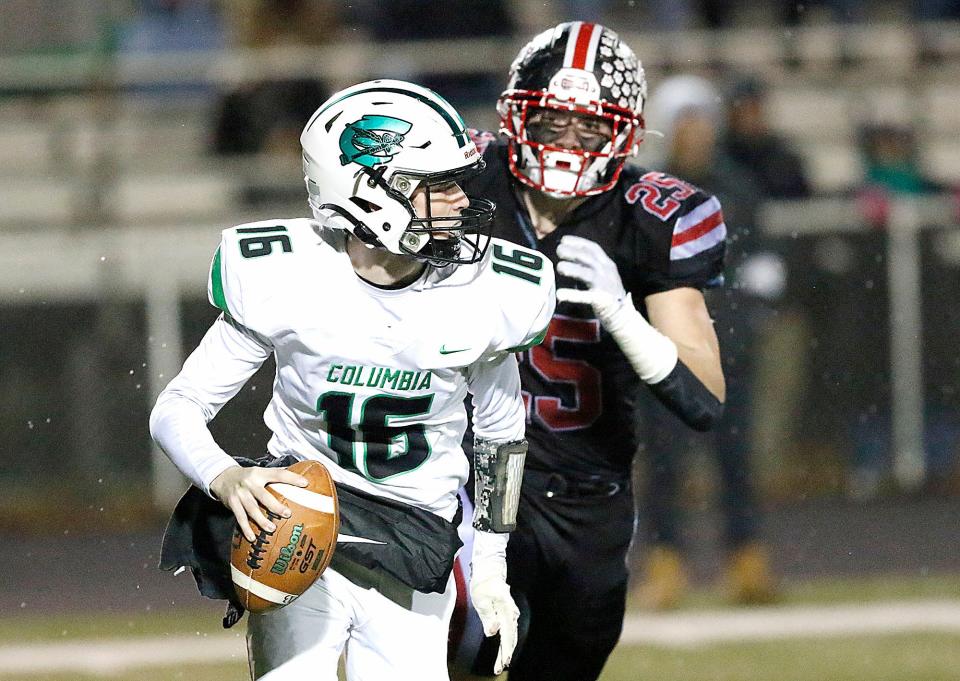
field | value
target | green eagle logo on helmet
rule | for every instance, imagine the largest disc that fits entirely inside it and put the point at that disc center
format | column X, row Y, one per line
column 372, row 140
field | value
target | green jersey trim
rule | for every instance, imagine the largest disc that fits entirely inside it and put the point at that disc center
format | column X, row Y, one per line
column 216, row 283
column 535, row 341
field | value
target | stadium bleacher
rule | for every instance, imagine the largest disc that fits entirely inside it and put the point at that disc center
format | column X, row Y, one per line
column 79, row 134
column 90, row 146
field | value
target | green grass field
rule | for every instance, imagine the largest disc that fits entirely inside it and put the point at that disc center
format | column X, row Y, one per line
column 886, row 658
column 206, row 672
column 880, row 657
column 877, row 658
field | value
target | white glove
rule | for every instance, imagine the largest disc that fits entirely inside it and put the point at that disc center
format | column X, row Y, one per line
column 491, row 593
column 586, row 261
column 651, row 354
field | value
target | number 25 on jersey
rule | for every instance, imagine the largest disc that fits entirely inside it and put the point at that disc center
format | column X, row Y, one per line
column 572, row 378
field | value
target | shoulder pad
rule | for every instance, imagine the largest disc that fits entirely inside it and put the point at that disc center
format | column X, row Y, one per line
column 251, row 259
column 660, row 195
column 523, row 291
column 683, row 224
column 698, row 230
column 512, row 295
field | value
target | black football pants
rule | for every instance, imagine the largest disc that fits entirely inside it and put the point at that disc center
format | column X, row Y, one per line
column 567, row 557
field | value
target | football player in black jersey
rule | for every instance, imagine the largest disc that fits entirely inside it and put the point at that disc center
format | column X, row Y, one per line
column 634, row 250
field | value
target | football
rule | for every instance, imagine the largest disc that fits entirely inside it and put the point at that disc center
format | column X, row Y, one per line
column 280, row 565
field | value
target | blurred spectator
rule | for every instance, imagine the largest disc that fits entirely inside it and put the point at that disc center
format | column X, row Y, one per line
column 748, row 141
column 687, row 110
column 936, row 10
column 843, row 13
column 892, row 170
column 891, row 162
column 159, row 26
column 929, row 35
column 672, row 15
column 411, row 20
column 56, row 26
column 172, row 25
column 266, row 117
column 263, row 23
column 794, row 13
column 587, row 10
column 405, row 19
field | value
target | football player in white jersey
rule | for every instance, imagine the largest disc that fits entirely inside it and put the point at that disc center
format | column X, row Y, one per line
column 382, row 313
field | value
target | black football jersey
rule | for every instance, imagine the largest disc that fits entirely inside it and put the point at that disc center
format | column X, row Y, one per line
column 578, row 387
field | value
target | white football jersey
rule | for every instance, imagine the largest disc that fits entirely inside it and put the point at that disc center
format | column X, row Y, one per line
column 374, row 379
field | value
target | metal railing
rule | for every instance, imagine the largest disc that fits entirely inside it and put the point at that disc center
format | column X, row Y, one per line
column 79, row 99
column 907, row 217
column 158, row 265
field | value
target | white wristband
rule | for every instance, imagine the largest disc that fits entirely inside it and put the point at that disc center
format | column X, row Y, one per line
column 651, row 354
column 489, row 557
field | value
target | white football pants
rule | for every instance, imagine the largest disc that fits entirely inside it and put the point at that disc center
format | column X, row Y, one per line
column 382, row 640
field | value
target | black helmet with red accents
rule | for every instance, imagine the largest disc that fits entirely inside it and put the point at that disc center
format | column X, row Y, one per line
column 581, row 71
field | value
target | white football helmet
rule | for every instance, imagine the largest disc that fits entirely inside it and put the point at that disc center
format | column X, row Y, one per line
column 575, row 69
column 369, row 147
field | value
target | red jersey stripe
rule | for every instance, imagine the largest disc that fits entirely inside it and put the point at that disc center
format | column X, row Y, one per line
column 583, row 44
column 708, row 224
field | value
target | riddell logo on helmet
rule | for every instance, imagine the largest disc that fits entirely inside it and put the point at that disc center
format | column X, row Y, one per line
column 470, row 152
column 574, row 84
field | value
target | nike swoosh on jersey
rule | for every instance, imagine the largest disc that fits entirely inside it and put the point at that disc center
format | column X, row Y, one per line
column 444, row 351
column 347, row 538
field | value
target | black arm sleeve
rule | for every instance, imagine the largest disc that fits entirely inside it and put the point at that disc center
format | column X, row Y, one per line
column 687, row 397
